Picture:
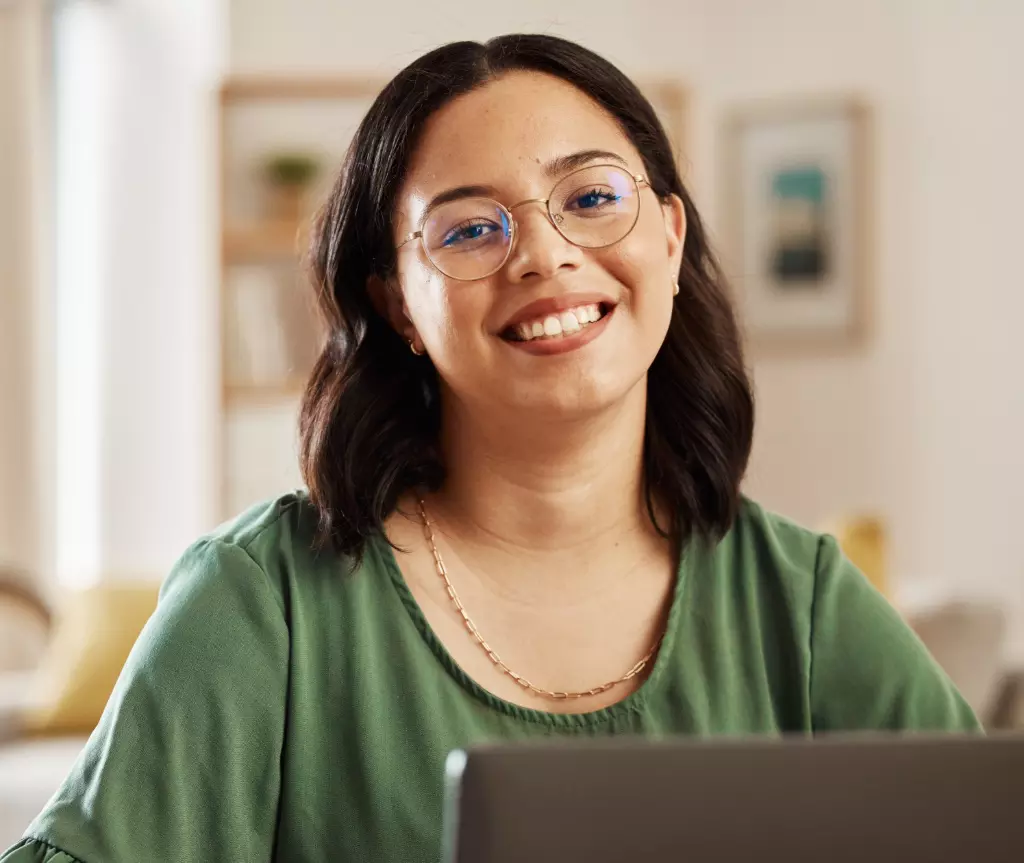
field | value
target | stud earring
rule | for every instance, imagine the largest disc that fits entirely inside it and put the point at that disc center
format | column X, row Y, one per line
column 675, row 287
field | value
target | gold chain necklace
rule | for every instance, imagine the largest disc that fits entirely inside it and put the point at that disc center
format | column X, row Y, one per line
column 428, row 530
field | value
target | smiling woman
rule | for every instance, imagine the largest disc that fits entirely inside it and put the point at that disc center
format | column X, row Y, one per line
column 549, row 195
column 533, row 387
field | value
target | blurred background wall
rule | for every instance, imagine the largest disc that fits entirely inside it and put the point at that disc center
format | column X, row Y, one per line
column 26, row 531
column 922, row 425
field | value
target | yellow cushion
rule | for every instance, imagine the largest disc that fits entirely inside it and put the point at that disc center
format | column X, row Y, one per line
column 863, row 540
column 95, row 630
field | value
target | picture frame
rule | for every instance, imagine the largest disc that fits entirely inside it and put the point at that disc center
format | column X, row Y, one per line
column 796, row 217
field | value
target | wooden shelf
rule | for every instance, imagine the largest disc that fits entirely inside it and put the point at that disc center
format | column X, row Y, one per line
column 267, row 241
column 246, row 88
column 273, row 244
column 248, row 395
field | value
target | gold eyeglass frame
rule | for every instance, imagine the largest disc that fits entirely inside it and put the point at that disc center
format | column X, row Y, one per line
column 555, row 218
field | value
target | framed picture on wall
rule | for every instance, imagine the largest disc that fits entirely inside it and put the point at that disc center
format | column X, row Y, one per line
column 795, row 222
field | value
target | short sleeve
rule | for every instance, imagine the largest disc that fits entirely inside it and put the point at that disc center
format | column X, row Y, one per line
column 37, row 851
column 185, row 763
column 869, row 671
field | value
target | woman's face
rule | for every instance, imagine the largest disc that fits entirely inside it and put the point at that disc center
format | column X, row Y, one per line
column 507, row 138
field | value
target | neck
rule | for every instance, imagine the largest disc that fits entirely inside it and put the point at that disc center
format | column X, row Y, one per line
column 545, row 485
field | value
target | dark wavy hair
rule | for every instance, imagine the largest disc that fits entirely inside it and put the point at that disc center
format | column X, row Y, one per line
column 370, row 416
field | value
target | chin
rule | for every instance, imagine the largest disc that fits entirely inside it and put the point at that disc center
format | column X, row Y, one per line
column 570, row 398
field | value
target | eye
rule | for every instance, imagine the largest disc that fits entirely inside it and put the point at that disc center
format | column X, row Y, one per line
column 593, row 199
column 469, row 232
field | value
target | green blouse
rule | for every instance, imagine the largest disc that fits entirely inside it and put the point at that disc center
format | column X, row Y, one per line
column 277, row 707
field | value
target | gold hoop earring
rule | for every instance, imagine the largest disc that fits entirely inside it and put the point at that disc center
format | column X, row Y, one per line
column 414, row 349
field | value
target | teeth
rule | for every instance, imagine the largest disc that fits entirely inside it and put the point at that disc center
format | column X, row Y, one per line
column 569, row 322
column 555, row 326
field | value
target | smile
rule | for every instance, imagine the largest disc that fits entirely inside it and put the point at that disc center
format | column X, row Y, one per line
column 562, row 331
column 557, row 326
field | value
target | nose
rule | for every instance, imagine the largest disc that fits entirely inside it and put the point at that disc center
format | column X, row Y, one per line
column 539, row 250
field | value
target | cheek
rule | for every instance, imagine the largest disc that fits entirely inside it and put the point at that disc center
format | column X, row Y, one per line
column 442, row 310
column 426, row 298
column 641, row 261
column 642, row 266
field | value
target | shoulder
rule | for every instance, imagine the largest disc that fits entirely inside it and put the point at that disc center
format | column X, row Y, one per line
column 225, row 606
column 269, row 558
column 254, row 552
column 288, row 521
column 765, row 533
column 187, row 754
column 864, row 668
column 769, row 554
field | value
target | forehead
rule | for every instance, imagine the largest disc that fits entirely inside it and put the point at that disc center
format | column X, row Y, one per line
column 503, row 133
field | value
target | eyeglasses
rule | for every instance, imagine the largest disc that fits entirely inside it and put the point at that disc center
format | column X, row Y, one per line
column 471, row 238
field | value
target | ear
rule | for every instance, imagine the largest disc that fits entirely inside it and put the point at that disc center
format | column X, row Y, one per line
column 389, row 303
column 674, row 212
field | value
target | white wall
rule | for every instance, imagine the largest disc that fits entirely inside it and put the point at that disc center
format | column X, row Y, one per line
column 325, row 36
column 822, row 446
column 158, row 416
column 924, row 424
column 967, row 410
column 927, row 425
column 137, row 383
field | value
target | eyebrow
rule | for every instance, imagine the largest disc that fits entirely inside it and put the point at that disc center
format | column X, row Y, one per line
column 565, row 164
column 559, row 165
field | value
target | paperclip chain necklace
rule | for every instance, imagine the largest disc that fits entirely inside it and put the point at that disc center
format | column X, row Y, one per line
column 428, row 531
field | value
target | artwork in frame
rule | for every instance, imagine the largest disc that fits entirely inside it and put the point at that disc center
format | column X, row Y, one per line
column 795, row 222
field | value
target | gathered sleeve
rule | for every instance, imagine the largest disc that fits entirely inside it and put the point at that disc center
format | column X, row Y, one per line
column 186, row 761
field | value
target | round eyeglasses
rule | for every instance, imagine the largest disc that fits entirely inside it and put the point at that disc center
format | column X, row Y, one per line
column 472, row 237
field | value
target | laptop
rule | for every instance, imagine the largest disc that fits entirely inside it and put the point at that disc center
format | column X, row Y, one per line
column 892, row 799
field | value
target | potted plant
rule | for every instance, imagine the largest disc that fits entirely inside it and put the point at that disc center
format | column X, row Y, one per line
column 289, row 176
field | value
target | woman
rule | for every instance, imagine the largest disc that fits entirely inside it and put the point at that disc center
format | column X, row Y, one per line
column 533, row 389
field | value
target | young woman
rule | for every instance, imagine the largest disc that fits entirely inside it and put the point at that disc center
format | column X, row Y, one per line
column 523, row 445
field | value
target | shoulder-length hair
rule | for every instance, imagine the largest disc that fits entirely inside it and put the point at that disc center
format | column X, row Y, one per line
column 370, row 416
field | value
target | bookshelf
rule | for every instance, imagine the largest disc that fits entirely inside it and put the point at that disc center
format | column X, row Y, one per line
column 281, row 142
column 263, row 241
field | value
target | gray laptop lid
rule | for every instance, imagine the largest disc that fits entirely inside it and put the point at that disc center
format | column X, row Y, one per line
column 879, row 799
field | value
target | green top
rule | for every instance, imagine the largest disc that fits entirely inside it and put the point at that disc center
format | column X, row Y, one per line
column 277, row 708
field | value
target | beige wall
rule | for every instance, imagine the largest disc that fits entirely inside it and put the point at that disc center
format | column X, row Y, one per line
column 24, row 472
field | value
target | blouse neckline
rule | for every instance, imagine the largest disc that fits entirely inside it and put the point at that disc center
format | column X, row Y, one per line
column 631, row 704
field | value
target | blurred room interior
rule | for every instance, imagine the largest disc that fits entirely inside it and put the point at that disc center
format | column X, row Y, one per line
column 158, row 159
